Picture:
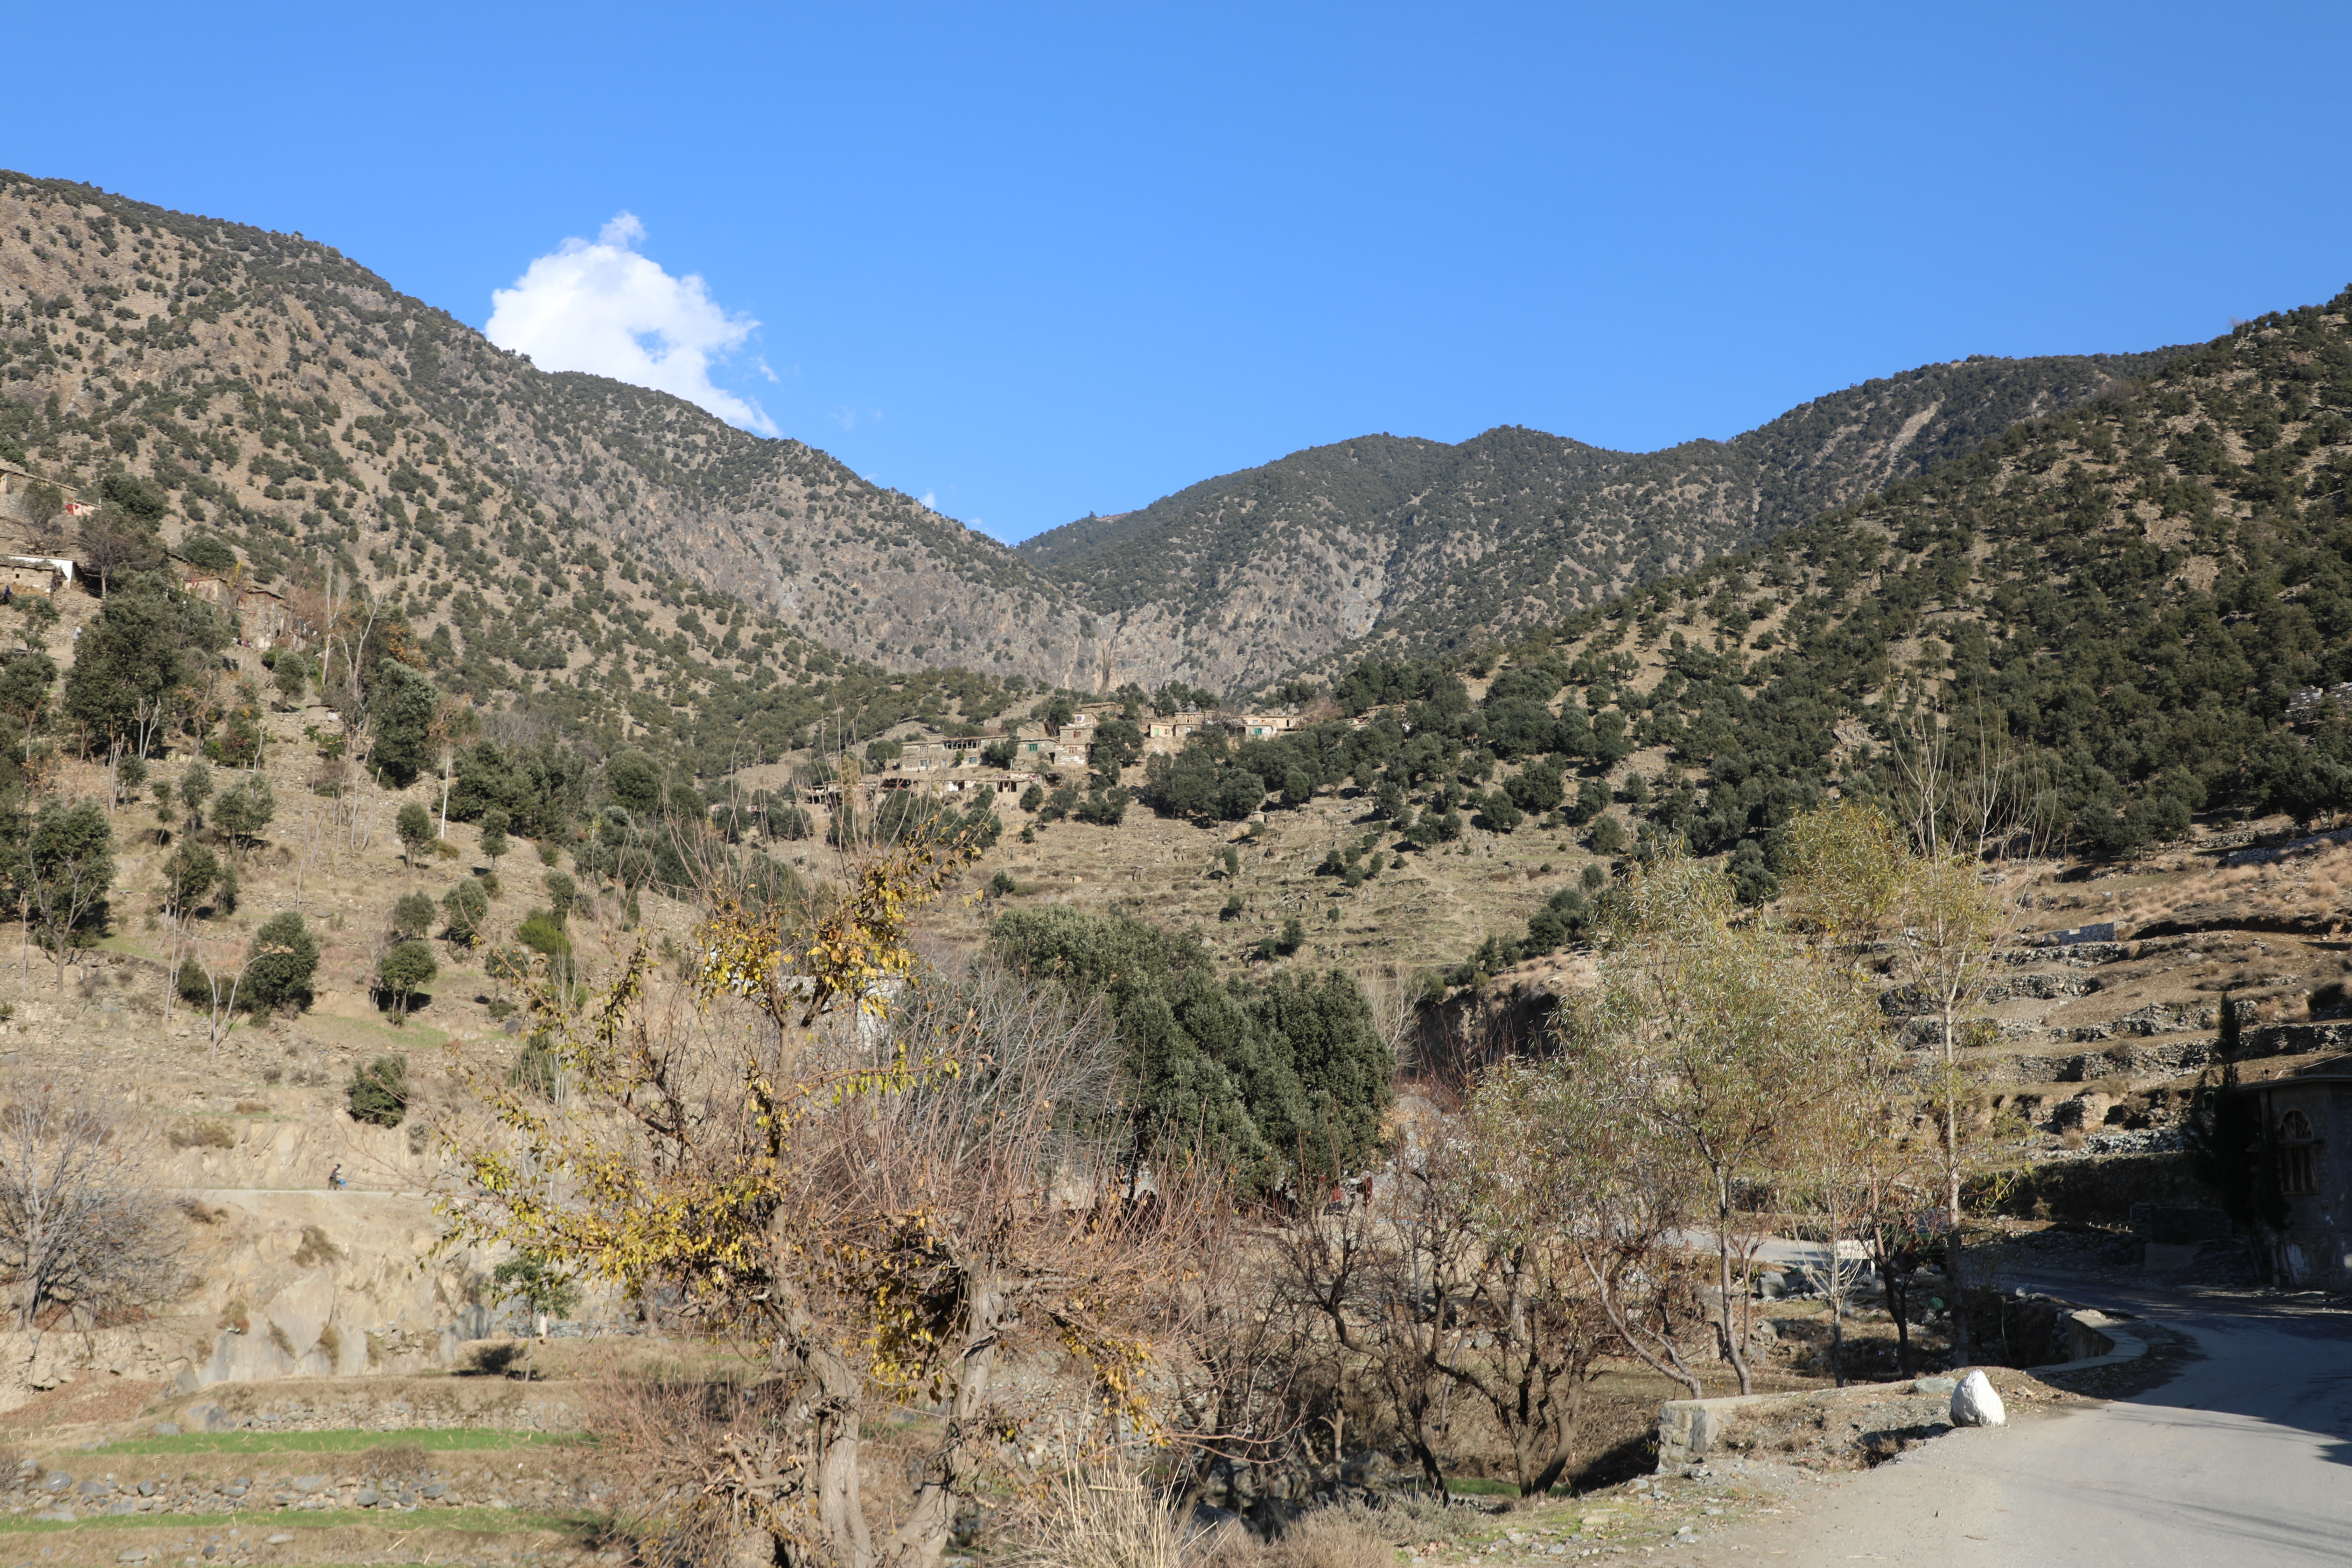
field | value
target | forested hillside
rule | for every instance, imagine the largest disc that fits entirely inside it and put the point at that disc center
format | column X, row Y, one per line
column 1412, row 546
column 2111, row 610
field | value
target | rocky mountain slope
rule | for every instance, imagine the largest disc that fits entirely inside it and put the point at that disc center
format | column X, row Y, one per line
column 286, row 398
column 294, row 401
column 1403, row 545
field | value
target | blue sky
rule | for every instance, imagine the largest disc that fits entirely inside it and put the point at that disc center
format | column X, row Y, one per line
column 1040, row 261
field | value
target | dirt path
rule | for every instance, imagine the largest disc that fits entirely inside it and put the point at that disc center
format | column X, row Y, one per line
column 2239, row 1459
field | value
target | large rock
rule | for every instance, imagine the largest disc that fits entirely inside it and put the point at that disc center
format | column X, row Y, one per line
column 301, row 1310
column 1976, row 1402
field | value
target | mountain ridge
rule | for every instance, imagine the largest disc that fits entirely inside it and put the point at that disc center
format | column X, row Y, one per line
column 275, row 390
column 1424, row 546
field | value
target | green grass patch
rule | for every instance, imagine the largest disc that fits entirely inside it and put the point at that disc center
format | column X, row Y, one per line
column 480, row 1520
column 348, row 1440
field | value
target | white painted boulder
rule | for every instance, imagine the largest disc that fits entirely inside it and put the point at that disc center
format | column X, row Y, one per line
column 1976, row 1402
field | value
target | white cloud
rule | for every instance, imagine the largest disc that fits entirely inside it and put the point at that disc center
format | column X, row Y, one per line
column 605, row 309
column 931, row 501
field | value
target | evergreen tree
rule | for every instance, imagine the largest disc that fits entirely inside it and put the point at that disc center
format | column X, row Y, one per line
column 400, row 714
column 280, row 963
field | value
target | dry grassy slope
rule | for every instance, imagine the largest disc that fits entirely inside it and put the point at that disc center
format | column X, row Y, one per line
column 160, row 301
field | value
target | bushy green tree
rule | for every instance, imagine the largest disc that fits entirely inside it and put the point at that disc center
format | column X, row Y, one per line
column 190, row 872
column 281, row 961
column 245, row 811
column 464, row 907
column 414, row 826
column 400, row 716
column 142, row 645
column 292, row 676
column 1285, row 1079
column 408, row 968
column 412, row 915
column 66, row 870
column 195, row 789
column 494, row 836
column 635, row 781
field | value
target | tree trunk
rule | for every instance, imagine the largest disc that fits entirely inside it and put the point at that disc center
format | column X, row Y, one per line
column 1731, row 1349
column 923, row 1538
column 833, row 1396
column 1952, row 1186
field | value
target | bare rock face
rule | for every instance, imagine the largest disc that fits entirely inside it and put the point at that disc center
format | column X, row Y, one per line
column 1976, row 1402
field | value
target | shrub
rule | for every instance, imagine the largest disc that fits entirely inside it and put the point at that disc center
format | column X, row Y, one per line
column 208, row 554
column 1001, row 884
column 203, row 1135
column 464, row 907
column 562, row 894
column 378, row 1092
column 539, row 1069
column 541, row 933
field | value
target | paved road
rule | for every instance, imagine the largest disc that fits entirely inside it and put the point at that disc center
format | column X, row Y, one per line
column 2241, row 1462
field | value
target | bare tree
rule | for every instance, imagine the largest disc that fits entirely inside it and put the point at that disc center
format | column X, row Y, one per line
column 1458, row 1277
column 81, row 1229
column 1623, row 1188
column 111, row 546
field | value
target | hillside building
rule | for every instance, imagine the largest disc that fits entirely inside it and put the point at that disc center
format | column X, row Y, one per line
column 2309, row 1116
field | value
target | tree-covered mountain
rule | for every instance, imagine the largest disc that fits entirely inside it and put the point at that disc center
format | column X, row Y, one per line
column 1413, row 546
column 2122, row 616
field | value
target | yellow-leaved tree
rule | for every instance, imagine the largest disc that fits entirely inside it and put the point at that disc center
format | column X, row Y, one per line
column 883, row 1177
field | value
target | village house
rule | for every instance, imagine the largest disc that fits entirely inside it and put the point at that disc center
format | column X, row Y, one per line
column 2308, row 1115
column 35, row 574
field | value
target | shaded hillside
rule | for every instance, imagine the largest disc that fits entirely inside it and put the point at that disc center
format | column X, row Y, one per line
column 1416, row 546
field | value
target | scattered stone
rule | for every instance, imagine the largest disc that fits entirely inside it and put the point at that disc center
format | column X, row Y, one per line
column 367, row 1497
column 1934, row 1384
column 308, row 1484
column 280, row 1539
column 1976, row 1402
column 60, row 1515
column 438, row 1489
column 166, row 1429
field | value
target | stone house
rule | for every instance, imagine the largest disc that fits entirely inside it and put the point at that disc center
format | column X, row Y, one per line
column 35, row 574
column 1170, row 733
column 2309, row 1115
